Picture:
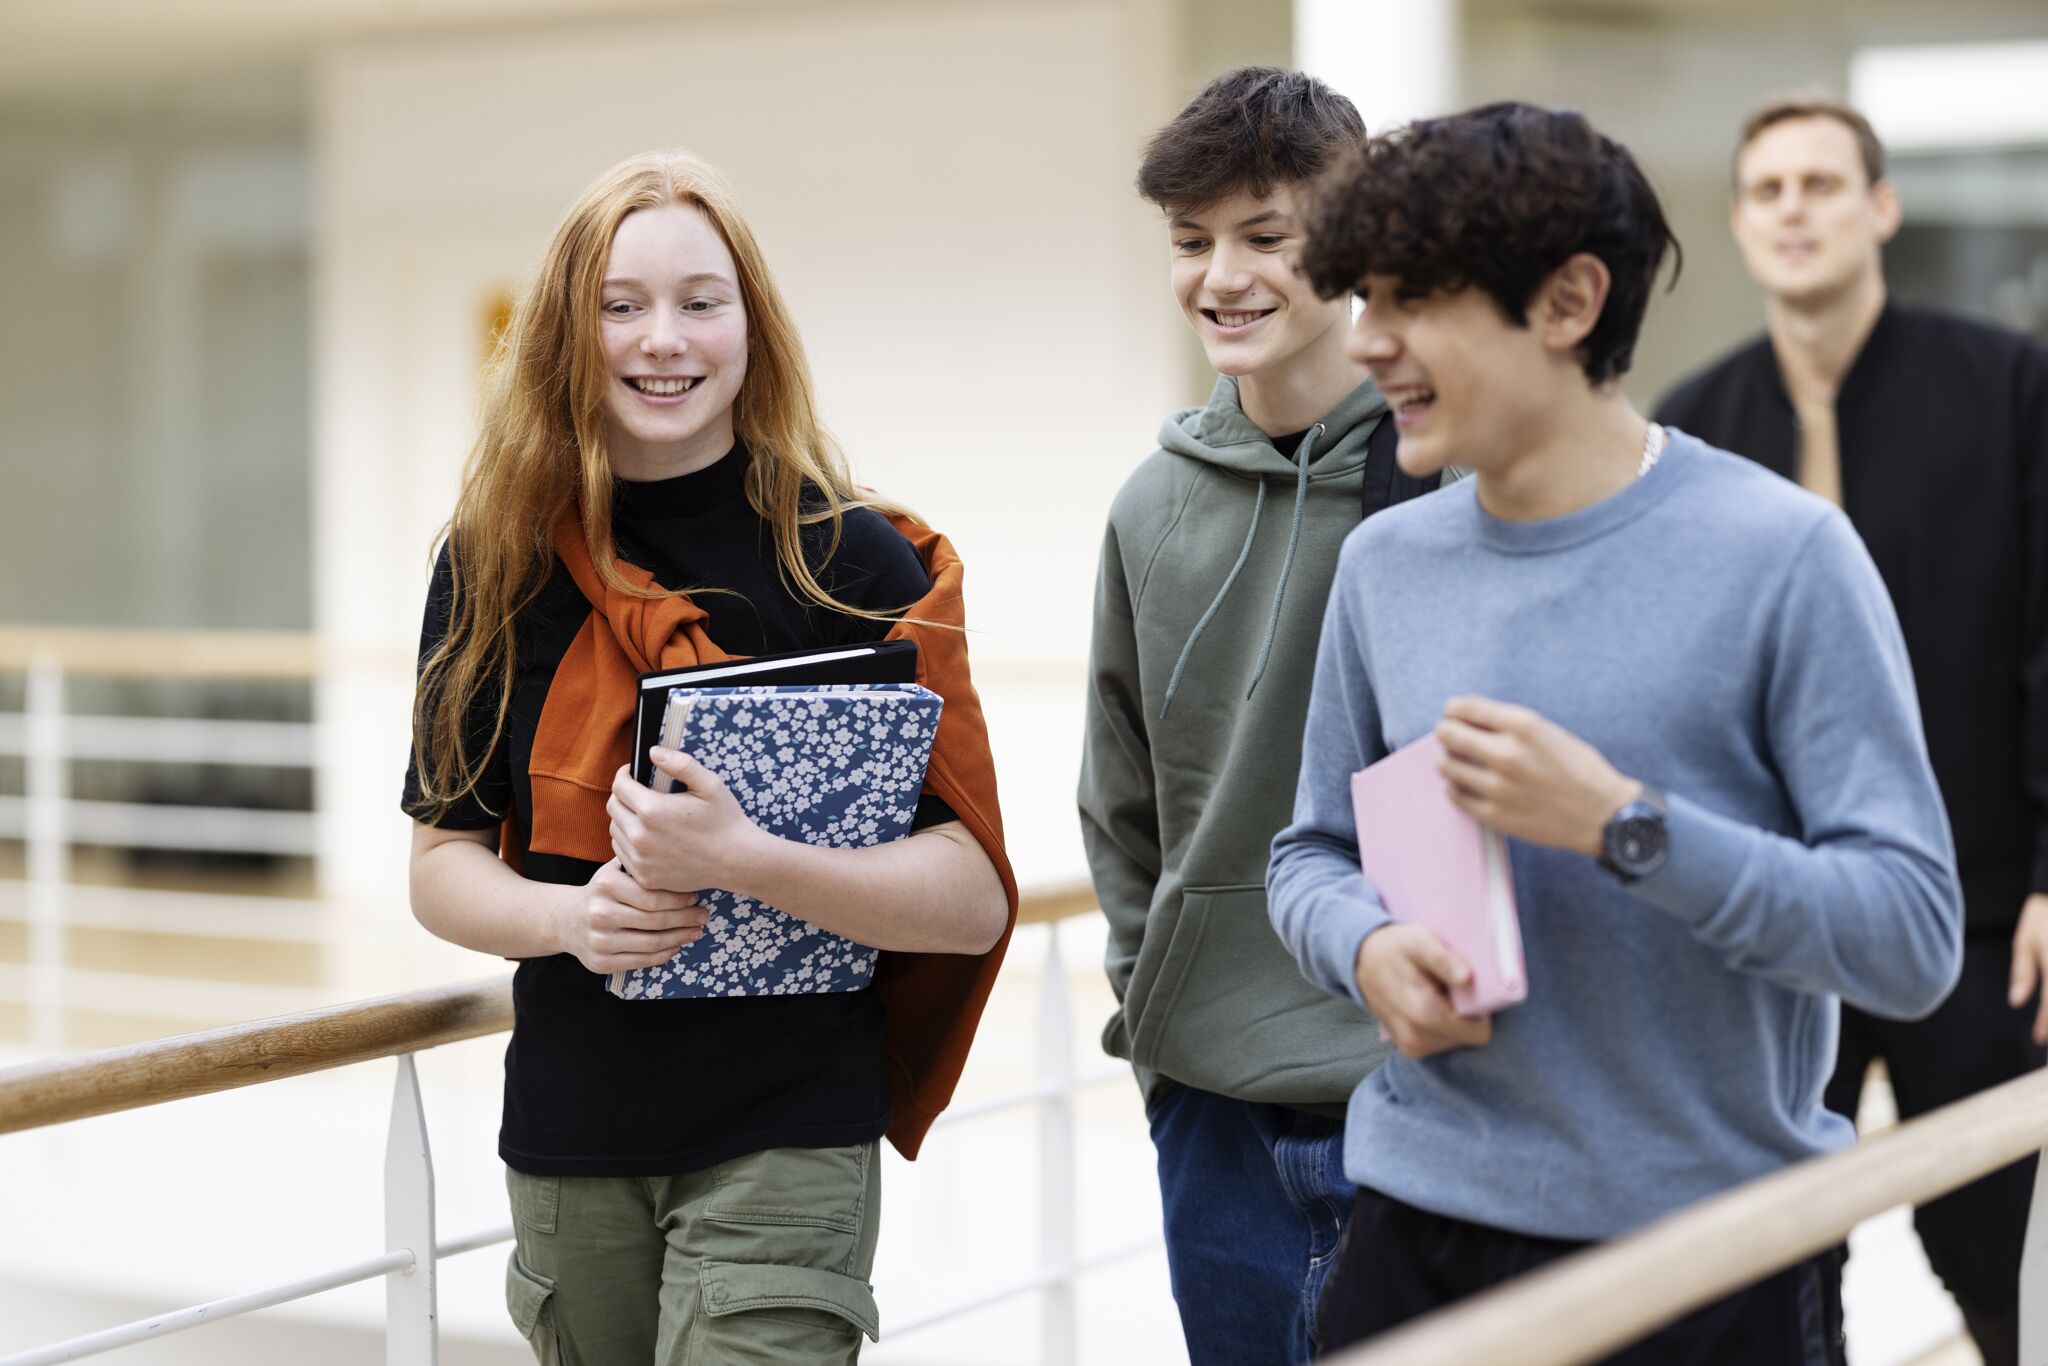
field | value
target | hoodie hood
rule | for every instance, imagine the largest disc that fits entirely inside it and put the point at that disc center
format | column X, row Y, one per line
column 1221, row 435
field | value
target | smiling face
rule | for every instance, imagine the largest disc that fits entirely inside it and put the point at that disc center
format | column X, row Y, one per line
column 675, row 340
column 1808, row 220
column 1462, row 380
column 1235, row 279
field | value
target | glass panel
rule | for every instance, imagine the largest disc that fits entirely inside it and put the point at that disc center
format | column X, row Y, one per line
column 154, row 353
column 1976, row 235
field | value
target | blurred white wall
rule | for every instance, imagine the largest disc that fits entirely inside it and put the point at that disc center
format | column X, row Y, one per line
column 944, row 194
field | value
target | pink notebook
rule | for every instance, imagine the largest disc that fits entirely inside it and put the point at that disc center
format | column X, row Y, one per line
column 1434, row 865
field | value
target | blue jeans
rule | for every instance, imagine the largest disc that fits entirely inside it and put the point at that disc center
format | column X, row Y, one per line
column 1255, row 1199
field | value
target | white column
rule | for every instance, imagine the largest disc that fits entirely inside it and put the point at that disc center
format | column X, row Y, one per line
column 384, row 462
column 1396, row 59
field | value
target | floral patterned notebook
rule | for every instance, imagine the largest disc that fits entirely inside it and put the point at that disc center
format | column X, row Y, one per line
column 832, row 764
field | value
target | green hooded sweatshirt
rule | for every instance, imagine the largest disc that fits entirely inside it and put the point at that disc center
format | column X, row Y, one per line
column 1215, row 569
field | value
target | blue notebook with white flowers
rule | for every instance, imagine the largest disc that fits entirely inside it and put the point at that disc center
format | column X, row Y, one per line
column 839, row 765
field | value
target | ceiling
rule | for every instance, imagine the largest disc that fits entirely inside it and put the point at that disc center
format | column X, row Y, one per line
column 63, row 42
column 55, row 42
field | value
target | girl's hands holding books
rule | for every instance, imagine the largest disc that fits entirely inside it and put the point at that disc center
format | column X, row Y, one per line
column 683, row 841
column 617, row 923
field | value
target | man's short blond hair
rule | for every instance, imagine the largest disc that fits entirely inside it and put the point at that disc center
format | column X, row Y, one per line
column 1815, row 105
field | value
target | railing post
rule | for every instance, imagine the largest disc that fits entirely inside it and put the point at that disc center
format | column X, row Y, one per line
column 47, row 790
column 411, row 1334
column 2034, row 1272
column 1058, row 1339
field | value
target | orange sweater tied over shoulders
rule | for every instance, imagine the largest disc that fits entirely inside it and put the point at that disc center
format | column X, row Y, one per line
column 933, row 1001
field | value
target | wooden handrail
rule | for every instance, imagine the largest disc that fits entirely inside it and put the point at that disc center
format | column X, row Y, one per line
column 54, row 1092
column 1608, row 1296
column 63, row 1089
column 288, row 656
column 1041, row 905
column 183, row 654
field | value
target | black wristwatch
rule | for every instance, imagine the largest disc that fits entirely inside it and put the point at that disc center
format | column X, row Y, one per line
column 1634, row 841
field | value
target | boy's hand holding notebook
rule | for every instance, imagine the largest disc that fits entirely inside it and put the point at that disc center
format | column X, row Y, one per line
column 1435, row 866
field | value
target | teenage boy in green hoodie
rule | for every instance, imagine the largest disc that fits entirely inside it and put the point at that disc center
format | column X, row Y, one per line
column 1215, row 570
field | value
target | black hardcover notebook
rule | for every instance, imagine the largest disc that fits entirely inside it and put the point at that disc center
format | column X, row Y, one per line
column 885, row 661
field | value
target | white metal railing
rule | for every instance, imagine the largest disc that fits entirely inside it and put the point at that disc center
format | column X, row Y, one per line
column 50, row 821
column 408, row 1264
column 408, row 1268
column 1060, row 1265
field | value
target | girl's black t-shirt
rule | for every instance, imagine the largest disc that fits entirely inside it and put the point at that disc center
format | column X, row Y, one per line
column 597, row 1086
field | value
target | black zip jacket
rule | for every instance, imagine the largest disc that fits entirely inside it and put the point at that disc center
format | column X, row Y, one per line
column 1943, row 431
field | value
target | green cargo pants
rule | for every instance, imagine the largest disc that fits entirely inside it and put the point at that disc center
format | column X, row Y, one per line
column 761, row 1259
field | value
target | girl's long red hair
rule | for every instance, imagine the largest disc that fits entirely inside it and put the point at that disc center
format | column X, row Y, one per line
column 541, row 450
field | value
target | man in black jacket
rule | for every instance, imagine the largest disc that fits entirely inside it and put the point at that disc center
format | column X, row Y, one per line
column 1932, row 433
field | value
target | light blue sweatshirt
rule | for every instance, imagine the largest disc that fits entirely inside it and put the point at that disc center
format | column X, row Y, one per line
column 1720, row 633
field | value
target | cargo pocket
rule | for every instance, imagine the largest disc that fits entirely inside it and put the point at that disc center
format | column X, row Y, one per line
column 824, row 1188
column 754, row 1311
column 527, row 1296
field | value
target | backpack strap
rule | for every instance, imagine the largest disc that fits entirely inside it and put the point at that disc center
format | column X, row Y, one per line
column 1386, row 483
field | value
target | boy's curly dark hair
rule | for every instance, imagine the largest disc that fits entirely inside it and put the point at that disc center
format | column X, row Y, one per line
column 1496, row 199
column 1250, row 130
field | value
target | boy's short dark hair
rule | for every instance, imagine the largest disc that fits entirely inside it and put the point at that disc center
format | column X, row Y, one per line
column 1815, row 104
column 1248, row 131
column 1495, row 198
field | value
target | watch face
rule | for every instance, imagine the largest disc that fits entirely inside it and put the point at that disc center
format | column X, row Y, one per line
column 1639, row 843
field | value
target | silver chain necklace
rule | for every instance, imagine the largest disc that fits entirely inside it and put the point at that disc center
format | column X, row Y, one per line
column 1654, row 438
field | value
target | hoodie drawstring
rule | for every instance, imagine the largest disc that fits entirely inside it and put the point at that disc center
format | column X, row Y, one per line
column 1304, row 454
column 1181, row 665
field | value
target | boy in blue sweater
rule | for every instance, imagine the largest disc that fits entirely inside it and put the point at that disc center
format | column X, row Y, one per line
column 1676, row 684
